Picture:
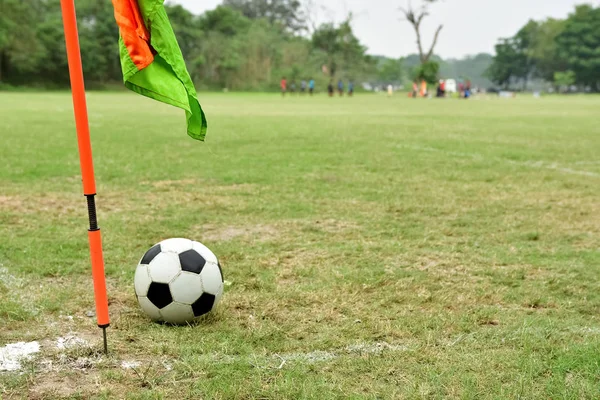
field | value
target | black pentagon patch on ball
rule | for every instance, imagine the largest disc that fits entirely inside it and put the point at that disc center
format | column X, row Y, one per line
column 204, row 304
column 159, row 294
column 191, row 261
column 150, row 254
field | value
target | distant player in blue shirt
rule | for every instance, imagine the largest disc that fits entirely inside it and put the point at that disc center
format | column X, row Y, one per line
column 341, row 87
column 350, row 88
column 311, row 86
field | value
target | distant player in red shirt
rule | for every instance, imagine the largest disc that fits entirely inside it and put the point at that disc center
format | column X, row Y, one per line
column 283, row 86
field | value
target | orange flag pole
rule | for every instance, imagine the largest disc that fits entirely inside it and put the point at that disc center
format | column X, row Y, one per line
column 85, row 159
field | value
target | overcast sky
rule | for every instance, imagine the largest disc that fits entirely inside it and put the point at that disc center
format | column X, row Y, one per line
column 470, row 26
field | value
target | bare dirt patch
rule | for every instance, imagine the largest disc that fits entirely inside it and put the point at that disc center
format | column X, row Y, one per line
column 257, row 232
column 170, row 183
column 48, row 386
column 55, row 203
column 109, row 202
column 335, row 225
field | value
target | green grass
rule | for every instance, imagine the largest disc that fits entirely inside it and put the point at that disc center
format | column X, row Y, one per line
column 384, row 248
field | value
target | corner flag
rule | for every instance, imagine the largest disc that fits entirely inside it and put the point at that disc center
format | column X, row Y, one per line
column 152, row 62
column 86, row 162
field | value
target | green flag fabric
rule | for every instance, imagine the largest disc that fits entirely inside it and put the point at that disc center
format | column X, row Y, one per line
column 152, row 62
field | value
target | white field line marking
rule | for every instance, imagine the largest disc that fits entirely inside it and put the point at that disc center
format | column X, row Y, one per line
column 9, row 280
column 69, row 341
column 130, row 364
column 591, row 330
column 266, row 361
column 552, row 166
column 12, row 354
column 530, row 164
column 587, row 163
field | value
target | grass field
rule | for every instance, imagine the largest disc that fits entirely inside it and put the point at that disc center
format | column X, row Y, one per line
column 373, row 248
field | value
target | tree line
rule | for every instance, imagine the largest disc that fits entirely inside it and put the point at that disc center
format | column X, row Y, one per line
column 239, row 45
column 564, row 53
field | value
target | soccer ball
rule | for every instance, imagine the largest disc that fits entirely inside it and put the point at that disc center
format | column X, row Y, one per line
column 177, row 281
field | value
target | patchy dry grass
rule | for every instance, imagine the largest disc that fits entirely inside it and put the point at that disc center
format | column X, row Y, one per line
column 374, row 248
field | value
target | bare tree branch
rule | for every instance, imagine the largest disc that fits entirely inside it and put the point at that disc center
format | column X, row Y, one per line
column 315, row 14
column 311, row 15
column 435, row 39
column 415, row 18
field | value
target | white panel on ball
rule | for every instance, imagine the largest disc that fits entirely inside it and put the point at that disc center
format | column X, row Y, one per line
column 205, row 252
column 177, row 313
column 186, row 288
column 176, row 245
column 149, row 308
column 212, row 281
column 164, row 267
column 142, row 280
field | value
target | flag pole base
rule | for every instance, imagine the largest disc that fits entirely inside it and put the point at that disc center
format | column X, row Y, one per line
column 104, row 336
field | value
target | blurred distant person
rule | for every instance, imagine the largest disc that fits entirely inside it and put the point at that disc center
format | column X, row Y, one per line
column 341, row 87
column 423, row 88
column 350, row 88
column 415, row 89
column 311, row 86
column 441, row 89
column 330, row 88
column 283, row 85
column 390, row 90
column 303, row 86
column 293, row 87
column 467, row 92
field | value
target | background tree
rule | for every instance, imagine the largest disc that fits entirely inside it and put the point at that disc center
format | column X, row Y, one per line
column 544, row 49
column 415, row 18
column 340, row 49
column 390, row 71
column 250, row 44
column 287, row 14
column 509, row 64
column 523, row 44
column 579, row 43
column 220, row 56
column 564, row 80
column 97, row 33
column 326, row 41
column 188, row 29
column 20, row 49
column 541, row 49
column 428, row 72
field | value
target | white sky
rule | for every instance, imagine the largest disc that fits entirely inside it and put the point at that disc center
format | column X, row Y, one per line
column 470, row 26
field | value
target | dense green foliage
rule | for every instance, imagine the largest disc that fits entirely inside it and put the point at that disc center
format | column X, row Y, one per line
column 552, row 50
column 240, row 45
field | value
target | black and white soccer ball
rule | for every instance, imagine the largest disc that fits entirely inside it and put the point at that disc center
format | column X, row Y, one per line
column 178, row 281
